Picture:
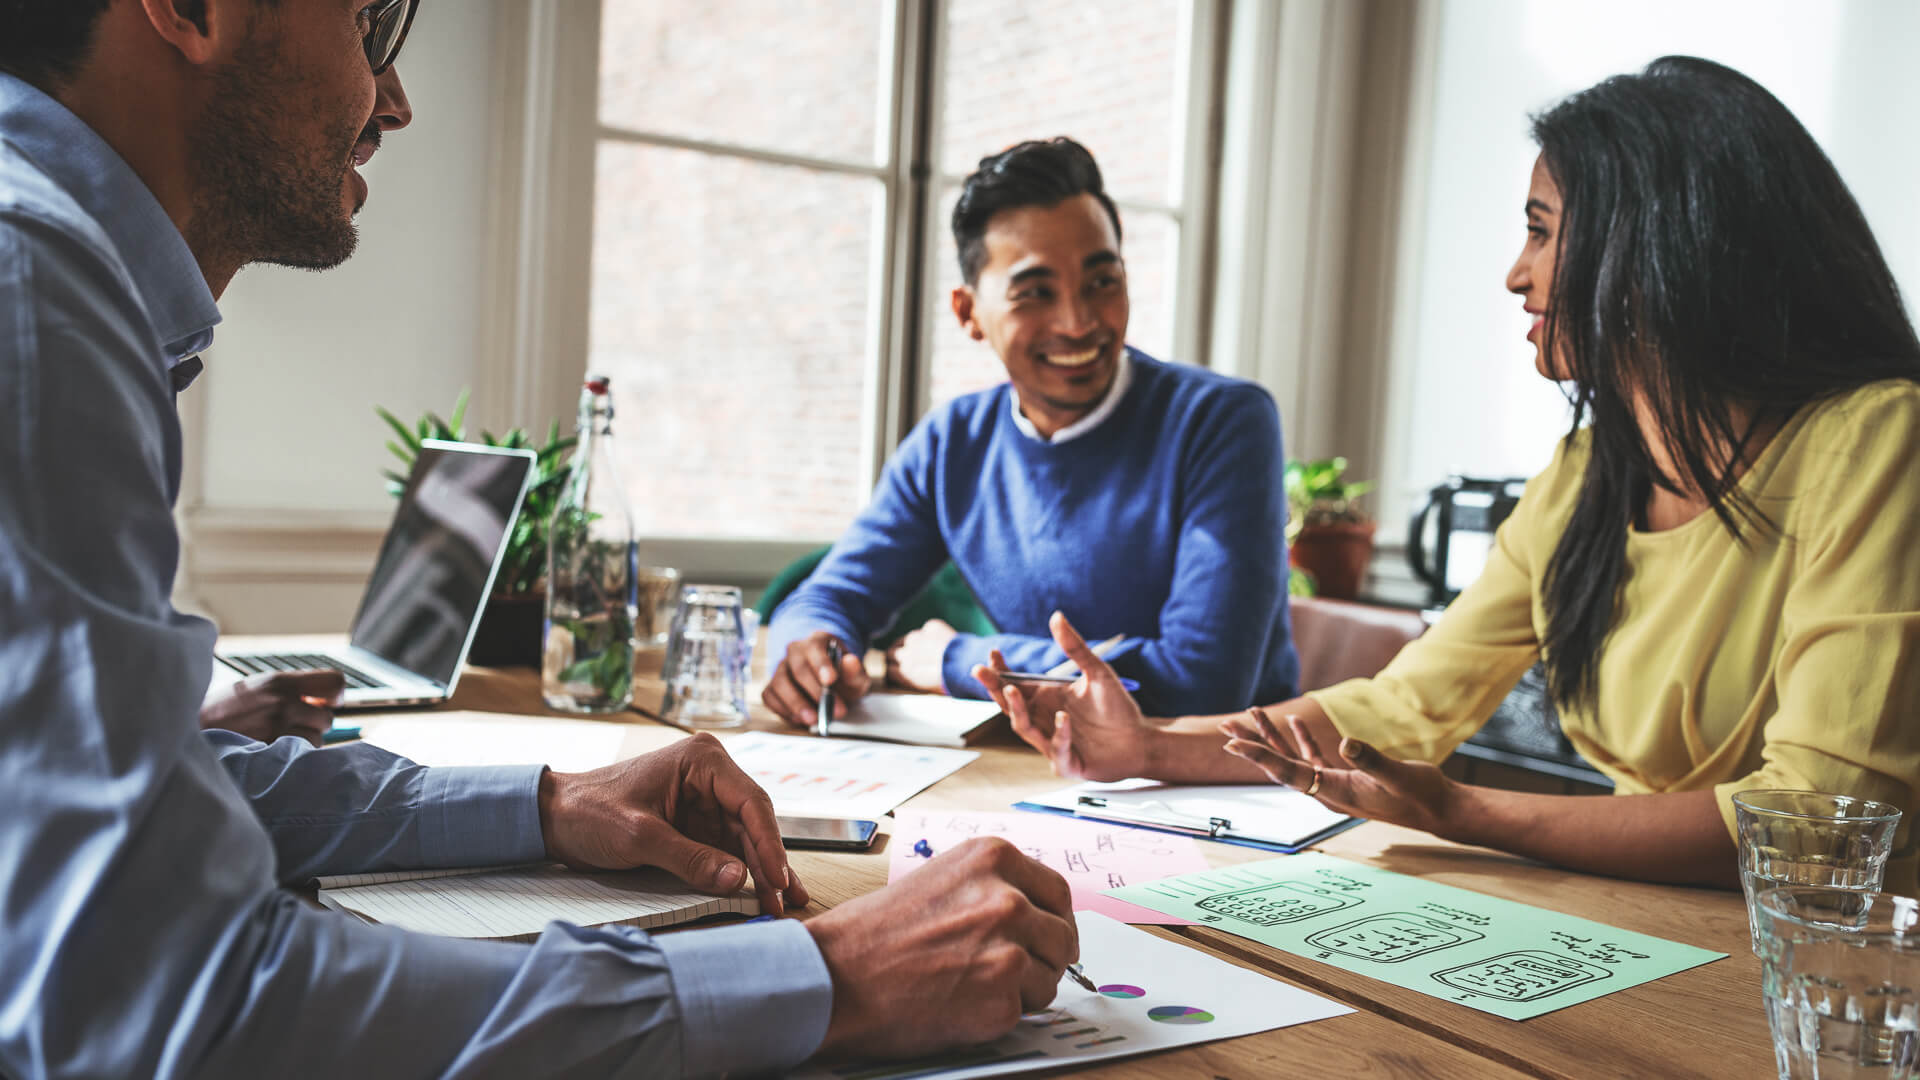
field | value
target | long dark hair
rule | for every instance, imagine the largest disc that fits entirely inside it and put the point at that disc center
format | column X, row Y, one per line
column 1710, row 257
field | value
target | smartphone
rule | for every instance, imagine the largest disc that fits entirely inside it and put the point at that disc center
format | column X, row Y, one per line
column 836, row 834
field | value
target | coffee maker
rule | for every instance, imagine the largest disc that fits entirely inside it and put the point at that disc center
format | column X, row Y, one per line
column 1451, row 533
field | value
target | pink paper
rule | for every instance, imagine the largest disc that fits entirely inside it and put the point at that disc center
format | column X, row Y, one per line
column 1093, row 856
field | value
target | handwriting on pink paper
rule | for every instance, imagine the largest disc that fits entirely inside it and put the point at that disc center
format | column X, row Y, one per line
column 1093, row 856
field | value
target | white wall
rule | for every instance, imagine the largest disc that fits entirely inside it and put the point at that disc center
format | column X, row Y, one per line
column 283, row 500
column 302, row 358
column 1467, row 388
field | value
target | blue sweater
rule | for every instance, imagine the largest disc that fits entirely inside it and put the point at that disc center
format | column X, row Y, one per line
column 1165, row 523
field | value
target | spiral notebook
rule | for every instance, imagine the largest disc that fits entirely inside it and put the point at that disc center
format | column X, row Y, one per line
column 515, row 903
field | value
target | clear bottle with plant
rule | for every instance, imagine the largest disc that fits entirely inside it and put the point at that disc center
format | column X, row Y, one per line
column 592, row 573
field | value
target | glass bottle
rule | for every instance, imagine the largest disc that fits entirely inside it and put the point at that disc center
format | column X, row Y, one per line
column 592, row 573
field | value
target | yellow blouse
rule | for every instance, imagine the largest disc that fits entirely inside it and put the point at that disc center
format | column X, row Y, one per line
column 1791, row 662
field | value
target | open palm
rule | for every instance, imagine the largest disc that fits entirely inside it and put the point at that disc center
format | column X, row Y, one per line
column 1089, row 730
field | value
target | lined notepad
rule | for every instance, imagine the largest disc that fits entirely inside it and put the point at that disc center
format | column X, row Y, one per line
column 517, row 902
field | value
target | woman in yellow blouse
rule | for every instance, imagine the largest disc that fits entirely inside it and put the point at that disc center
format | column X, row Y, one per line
column 1720, row 568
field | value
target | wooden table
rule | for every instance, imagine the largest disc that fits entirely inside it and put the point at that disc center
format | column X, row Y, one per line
column 1705, row 1022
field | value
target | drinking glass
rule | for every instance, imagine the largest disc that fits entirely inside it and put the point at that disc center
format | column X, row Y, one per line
column 659, row 599
column 1841, row 973
column 1835, row 842
column 706, row 665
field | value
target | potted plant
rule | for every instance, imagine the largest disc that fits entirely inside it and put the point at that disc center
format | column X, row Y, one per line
column 512, row 626
column 1327, row 536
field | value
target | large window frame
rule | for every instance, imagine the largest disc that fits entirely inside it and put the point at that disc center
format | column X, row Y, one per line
column 557, row 170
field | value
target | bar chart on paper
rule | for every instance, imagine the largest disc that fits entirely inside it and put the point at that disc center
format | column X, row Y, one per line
column 1161, row 994
column 845, row 779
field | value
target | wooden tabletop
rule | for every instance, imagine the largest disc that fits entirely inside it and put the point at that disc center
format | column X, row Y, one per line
column 1705, row 1022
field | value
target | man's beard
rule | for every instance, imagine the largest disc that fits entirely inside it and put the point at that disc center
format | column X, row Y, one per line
column 262, row 197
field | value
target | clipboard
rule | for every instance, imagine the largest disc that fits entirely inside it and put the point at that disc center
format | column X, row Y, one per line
column 1202, row 812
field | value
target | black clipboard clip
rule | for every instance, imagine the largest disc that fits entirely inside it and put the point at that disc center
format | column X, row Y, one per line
column 1213, row 829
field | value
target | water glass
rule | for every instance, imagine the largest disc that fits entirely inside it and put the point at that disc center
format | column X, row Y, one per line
column 707, row 655
column 1841, row 972
column 1834, row 842
column 659, row 599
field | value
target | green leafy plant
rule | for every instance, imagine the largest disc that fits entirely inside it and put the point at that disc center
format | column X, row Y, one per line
column 525, row 565
column 1317, row 495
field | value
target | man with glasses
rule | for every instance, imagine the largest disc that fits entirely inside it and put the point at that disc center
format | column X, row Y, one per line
column 149, row 149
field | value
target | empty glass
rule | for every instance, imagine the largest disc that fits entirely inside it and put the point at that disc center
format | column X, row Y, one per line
column 659, row 599
column 1834, row 842
column 1841, row 971
column 707, row 654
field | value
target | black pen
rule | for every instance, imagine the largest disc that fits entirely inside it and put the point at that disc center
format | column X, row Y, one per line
column 824, row 714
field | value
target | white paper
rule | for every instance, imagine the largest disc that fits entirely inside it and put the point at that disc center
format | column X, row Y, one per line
column 1269, row 812
column 920, row 719
column 468, row 739
column 521, row 901
column 1154, row 994
column 812, row 777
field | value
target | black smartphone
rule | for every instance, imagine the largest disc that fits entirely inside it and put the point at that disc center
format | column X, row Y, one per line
column 835, row 834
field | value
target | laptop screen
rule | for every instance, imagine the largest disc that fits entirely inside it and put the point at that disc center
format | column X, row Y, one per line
column 437, row 563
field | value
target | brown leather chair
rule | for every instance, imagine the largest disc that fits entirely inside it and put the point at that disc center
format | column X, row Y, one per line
column 1338, row 640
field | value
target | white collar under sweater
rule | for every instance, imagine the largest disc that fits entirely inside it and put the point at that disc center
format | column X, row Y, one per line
column 1122, row 375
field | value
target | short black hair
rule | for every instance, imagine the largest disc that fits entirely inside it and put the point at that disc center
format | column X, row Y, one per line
column 1033, row 173
column 44, row 41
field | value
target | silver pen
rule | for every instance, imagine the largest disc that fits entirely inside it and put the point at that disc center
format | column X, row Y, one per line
column 1074, row 973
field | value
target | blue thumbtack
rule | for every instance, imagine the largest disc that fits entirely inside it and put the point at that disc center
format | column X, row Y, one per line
column 923, row 849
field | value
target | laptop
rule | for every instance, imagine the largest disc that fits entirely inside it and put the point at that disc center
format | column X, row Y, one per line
column 435, row 571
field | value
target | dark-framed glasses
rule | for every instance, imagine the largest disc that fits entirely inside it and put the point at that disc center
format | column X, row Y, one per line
column 387, row 24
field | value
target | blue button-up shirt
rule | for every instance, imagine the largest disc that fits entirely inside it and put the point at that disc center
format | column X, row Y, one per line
column 143, row 927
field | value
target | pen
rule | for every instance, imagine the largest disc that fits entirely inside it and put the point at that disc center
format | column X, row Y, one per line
column 824, row 714
column 1079, row 976
column 1131, row 686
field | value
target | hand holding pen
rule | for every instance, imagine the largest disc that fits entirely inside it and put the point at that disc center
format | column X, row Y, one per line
column 806, row 671
column 823, row 712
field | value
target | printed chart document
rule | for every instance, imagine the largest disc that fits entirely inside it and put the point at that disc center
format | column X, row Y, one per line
column 1252, row 815
column 517, row 902
column 812, row 777
column 1093, row 856
column 920, row 719
column 1153, row 994
column 1500, row 957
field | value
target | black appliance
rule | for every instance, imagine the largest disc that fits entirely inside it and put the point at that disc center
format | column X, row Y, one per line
column 1451, row 533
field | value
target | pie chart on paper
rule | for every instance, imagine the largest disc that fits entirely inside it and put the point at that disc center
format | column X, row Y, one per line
column 1122, row 990
column 1179, row 1014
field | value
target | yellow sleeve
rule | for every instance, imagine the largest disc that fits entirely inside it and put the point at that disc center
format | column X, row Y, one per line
column 1848, row 676
column 1445, row 684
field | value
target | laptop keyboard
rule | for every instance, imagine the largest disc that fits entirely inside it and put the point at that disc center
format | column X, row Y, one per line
column 255, row 663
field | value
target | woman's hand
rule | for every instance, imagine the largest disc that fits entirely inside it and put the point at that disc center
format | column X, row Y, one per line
column 1090, row 730
column 1347, row 775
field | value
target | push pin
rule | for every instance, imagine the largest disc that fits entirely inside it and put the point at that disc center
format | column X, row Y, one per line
column 923, row 849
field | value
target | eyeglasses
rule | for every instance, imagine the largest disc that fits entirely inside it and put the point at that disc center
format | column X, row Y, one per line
column 387, row 24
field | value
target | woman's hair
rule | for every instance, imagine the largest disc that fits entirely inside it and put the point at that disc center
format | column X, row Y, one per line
column 1709, row 256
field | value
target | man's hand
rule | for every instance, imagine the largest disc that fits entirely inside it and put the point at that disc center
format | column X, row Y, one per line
column 793, row 692
column 1092, row 730
column 1354, row 779
column 918, row 661
column 276, row 703
column 951, row 955
column 687, row 809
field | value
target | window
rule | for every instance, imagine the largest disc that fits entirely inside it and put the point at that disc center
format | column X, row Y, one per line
column 771, row 260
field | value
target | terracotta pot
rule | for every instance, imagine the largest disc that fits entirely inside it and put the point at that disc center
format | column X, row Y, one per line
column 1336, row 555
column 511, row 631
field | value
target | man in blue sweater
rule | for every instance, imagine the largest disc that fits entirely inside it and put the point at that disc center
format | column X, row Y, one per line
column 1142, row 499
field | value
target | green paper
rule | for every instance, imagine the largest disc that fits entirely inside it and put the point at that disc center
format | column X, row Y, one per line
column 1500, row 957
